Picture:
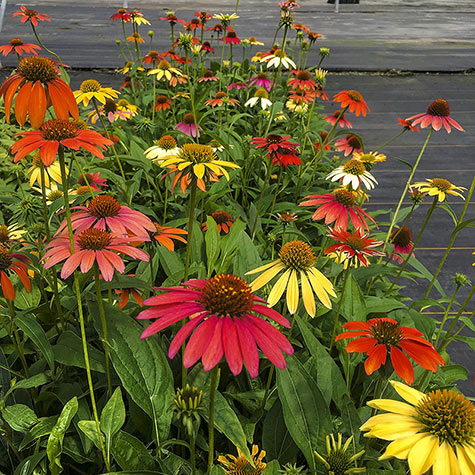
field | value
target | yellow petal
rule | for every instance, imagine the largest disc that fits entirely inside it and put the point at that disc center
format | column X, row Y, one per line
column 266, row 276
column 319, row 289
column 307, row 295
column 278, row 289
column 293, row 292
column 260, row 269
column 391, row 426
column 224, row 163
column 401, row 448
column 422, row 454
column 411, row 395
column 445, row 462
column 199, row 170
column 393, row 406
column 327, row 285
column 466, row 458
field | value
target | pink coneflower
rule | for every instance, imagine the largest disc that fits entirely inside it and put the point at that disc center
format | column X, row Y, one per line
column 262, row 80
column 342, row 122
column 188, row 125
column 208, row 76
column 237, row 85
column 437, row 115
column 16, row 46
column 93, row 179
column 231, row 38
column 335, row 208
column 349, row 144
column 225, row 318
column 401, row 238
column 104, row 212
column 90, row 246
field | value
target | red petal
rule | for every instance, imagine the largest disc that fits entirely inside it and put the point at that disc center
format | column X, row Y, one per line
column 232, row 349
column 376, row 358
column 402, row 365
column 7, row 287
column 361, row 345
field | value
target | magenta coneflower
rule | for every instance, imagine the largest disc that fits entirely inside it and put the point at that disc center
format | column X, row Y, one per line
column 225, row 318
column 238, row 85
column 342, row 122
column 91, row 245
column 262, row 80
column 188, row 125
column 335, row 208
column 349, row 144
column 104, row 212
column 437, row 115
column 94, row 180
column 401, row 238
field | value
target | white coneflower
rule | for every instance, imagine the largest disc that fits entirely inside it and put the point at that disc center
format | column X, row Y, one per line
column 279, row 58
column 260, row 95
column 353, row 173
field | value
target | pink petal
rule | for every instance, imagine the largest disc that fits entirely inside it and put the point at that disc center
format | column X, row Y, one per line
column 71, row 264
column 248, row 348
column 106, row 268
column 271, row 313
column 214, row 351
column 183, row 333
column 199, row 341
column 231, row 345
column 87, row 261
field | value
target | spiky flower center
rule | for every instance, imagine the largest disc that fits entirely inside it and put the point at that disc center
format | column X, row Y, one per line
column 242, row 467
column 109, row 106
column 303, row 76
column 30, row 13
column 355, row 95
column 104, row 206
column 356, row 243
column 54, row 195
column 80, row 124
column 441, row 184
column 164, row 65
column 221, row 217
column 227, row 295
column 401, row 237
column 82, row 190
column 153, row 54
column 274, row 139
column 439, row 107
column 287, row 217
column 386, row 333
column 161, row 99
column 262, row 76
column 167, row 142
column 252, row 39
column 188, row 399
column 197, row 153
column 208, row 74
column 16, row 42
column 121, row 10
column 449, row 416
column 337, row 114
column 297, row 255
column 4, row 233
column 94, row 239
column 353, row 141
column 85, row 179
column 5, row 258
column 58, row 129
column 345, row 197
column 35, row 68
column 261, row 93
column 354, row 167
column 189, row 118
column 279, row 53
column 339, row 461
column 220, row 95
column 90, row 85
column 231, row 34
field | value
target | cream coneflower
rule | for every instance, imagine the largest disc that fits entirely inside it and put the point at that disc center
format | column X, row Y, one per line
column 166, row 147
column 296, row 259
column 353, row 173
column 260, row 96
column 279, row 58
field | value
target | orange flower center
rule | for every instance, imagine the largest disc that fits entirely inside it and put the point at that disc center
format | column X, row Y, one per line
column 345, row 197
column 441, row 184
column 109, row 106
column 38, row 69
column 164, row 64
column 337, row 113
column 252, row 39
column 386, row 333
column 82, row 190
column 261, row 93
column 16, row 42
column 153, row 54
column 167, row 142
column 220, row 95
column 4, row 234
column 401, row 237
column 58, row 129
column 303, row 76
column 262, row 76
column 449, row 416
column 439, row 107
column 104, row 206
column 94, row 239
column 354, row 95
column 353, row 141
column 121, row 10
column 287, row 217
column 5, row 258
column 354, row 167
column 189, row 118
column 221, row 217
column 297, row 255
column 227, row 295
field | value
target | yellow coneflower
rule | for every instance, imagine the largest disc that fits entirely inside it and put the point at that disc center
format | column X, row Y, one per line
column 90, row 88
column 240, row 465
column 439, row 187
column 52, row 172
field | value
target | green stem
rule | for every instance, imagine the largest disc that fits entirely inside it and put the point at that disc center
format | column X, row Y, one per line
column 406, row 261
column 392, row 139
column 16, row 339
column 193, row 452
column 446, row 314
column 102, row 313
column 279, row 180
column 212, row 392
column 259, row 203
column 267, row 390
column 44, row 47
column 346, row 273
column 191, row 218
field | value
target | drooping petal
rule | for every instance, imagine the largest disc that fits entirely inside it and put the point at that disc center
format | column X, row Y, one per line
column 214, row 349
column 248, row 348
column 411, row 395
column 183, row 333
column 198, row 341
column 402, row 365
column 422, row 455
column 445, row 461
column 232, row 348
column 7, row 287
column 376, row 358
column 401, row 448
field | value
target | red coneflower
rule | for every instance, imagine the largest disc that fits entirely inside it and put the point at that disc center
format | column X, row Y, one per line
column 172, row 19
column 408, row 125
column 39, row 85
column 162, row 103
column 204, row 17
column 401, row 239
column 218, row 29
column 56, row 132
column 12, row 262
column 223, row 220
column 355, row 247
column 380, row 335
column 165, row 235
column 226, row 318
column 91, row 245
column 231, row 38
column 94, row 180
column 302, row 80
column 342, row 122
column 206, row 46
column 273, row 143
column 220, row 99
column 208, row 76
column 437, row 115
column 188, row 125
column 16, row 46
column 193, row 25
column 285, row 156
column 353, row 100
column 349, row 144
column 121, row 14
column 31, row 15
column 323, row 137
column 105, row 212
column 152, row 57
column 335, row 208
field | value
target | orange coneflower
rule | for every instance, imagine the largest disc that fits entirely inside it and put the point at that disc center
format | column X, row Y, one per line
column 16, row 263
column 193, row 25
column 223, row 220
column 171, row 54
column 302, row 80
column 220, row 99
column 162, row 103
column 165, row 235
column 353, row 100
column 135, row 38
column 16, row 46
column 31, row 15
column 38, row 83
column 408, row 125
column 300, row 96
column 152, row 57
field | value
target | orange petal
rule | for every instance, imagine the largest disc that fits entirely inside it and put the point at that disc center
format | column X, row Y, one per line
column 7, row 287
column 22, row 102
column 37, row 105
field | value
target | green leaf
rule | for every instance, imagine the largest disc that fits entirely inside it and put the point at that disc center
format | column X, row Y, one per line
column 54, row 447
column 33, row 382
column 26, row 300
column 353, row 305
column 272, row 468
column 306, row 413
column 171, row 262
column 382, row 305
column 247, row 256
column 35, row 332
column 113, row 416
column 216, row 470
column 454, row 373
column 89, row 428
column 212, row 243
column 44, row 427
column 141, row 366
column 130, row 453
column 68, row 351
column 19, row 417
column 28, row 465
